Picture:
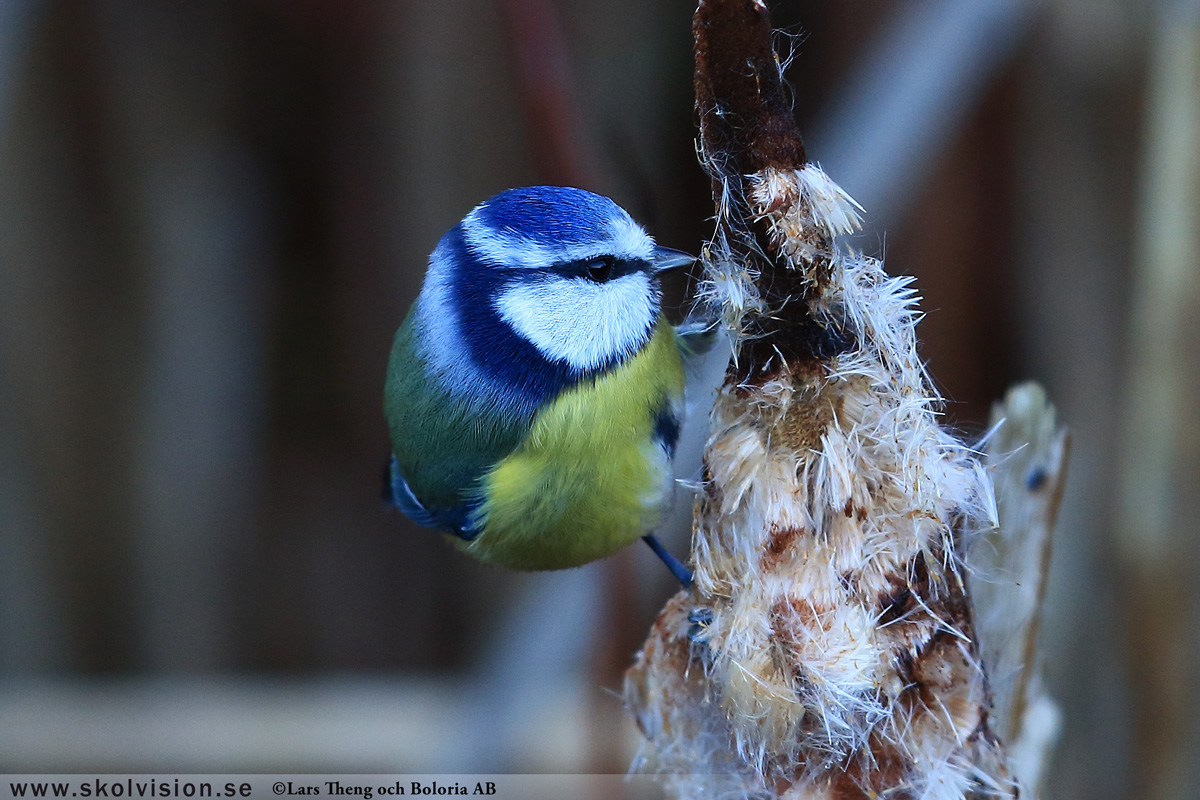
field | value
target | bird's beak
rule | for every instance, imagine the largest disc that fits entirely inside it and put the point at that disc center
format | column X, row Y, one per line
column 667, row 259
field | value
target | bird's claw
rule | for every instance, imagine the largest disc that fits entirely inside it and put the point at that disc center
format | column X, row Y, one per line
column 700, row 618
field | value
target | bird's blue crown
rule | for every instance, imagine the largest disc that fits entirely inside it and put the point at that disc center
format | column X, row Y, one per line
column 559, row 218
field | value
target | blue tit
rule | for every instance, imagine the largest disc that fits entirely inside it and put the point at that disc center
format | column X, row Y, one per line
column 535, row 389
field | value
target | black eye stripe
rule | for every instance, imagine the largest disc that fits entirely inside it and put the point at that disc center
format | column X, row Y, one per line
column 601, row 268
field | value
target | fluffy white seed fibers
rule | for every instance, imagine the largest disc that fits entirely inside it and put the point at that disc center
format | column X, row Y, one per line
column 839, row 658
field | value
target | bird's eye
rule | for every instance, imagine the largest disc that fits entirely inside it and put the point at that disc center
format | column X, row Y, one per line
column 599, row 270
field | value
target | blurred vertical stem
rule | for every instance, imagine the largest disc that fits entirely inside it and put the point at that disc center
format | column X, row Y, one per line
column 1157, row 498
column 32, row 620
column 547, row 93
column 192, row 215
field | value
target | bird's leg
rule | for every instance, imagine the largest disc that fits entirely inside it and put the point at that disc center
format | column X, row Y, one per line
column 682, row 573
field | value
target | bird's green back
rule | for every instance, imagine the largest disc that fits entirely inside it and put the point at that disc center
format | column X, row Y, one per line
column 442, row 443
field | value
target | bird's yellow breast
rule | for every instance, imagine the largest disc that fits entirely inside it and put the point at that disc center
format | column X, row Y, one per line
column 591, row 476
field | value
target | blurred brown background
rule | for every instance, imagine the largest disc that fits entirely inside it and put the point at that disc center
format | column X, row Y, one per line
column 213, row 215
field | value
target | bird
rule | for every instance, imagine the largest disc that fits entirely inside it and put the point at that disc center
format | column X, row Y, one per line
column 535, row 389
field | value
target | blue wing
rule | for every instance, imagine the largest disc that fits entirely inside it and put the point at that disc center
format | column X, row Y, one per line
column 454, row 520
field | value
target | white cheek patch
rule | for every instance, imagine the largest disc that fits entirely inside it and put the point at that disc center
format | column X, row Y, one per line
column 582, row 323
column 626, row 240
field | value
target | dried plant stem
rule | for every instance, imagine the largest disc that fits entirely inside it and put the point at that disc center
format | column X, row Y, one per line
column 827, row 648
column 1027, row 461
